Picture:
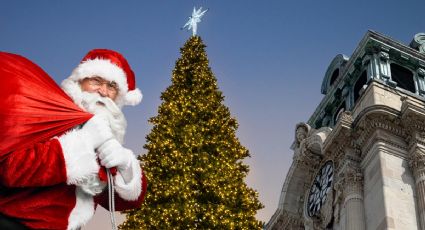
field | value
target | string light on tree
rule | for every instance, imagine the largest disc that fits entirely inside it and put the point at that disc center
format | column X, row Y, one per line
column 194, row 162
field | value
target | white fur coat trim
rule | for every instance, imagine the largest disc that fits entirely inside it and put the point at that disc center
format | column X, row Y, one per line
column 83, row 210
column 80, row 158
column 131, row 190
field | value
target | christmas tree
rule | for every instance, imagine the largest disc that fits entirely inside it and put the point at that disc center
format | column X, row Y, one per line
column 194, row 161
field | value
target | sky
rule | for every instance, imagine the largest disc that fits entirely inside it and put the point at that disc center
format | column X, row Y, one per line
column 269, row 58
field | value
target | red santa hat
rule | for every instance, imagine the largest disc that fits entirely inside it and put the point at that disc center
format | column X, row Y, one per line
column 111, row 66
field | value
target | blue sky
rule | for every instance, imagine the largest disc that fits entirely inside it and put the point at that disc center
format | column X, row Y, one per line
column 269, row 57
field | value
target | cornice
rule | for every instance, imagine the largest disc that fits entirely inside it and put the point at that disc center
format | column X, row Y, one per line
column 377, row 117
column 413, row 114
column 393, row 43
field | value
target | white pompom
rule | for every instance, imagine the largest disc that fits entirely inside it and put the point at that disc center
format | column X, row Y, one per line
column 133, row 97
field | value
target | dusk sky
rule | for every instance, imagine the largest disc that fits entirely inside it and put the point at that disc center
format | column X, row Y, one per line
column 269, row 58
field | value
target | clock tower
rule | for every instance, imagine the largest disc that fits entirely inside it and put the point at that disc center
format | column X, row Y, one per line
column 359, row 161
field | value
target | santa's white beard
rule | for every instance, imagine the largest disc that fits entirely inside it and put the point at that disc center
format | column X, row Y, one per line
column 96, row 104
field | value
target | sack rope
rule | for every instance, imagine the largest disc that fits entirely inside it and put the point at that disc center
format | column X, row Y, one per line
column 111, row 198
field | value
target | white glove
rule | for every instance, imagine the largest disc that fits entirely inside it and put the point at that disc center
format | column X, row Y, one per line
column 112, row 154
column 97, row 131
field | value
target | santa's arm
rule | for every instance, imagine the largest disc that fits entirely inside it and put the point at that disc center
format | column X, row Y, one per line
column 69, row 158
column 42, row 164
column 48, row 163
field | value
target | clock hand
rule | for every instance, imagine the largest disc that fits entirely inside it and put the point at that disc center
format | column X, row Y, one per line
column 318, row 185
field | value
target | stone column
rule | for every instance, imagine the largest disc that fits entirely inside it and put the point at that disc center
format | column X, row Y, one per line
column 353, row 199
column 420, row 73
column 417, row 164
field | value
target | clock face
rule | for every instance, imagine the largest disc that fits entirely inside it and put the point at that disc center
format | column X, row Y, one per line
column 321, row 186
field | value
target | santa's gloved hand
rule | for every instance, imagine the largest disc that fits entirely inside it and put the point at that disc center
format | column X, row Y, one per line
column 112, row 154
column 96, row 131
column 78, row 146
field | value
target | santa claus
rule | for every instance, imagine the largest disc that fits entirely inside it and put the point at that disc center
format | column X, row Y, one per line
column 57, row 184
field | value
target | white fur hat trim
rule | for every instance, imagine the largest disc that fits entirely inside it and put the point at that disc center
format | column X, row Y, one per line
column 109, row 71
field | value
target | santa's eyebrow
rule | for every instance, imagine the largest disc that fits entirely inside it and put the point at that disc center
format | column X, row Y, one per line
column 97, row 78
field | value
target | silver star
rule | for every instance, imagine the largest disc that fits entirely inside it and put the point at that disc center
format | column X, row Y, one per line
column 191, row 24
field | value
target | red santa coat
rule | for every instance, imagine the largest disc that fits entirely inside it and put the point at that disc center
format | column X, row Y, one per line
column 35, row 189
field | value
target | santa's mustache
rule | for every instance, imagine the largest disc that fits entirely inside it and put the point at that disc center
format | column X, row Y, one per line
column 91, row 102
column 96, row 104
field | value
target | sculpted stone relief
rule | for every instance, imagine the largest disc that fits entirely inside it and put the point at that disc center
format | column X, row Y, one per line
column 308, row 145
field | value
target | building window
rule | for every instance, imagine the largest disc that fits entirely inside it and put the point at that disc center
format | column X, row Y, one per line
column 359, row 85
column 403, row 77
column 335, row 74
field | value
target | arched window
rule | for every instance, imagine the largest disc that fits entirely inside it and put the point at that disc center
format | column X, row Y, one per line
column 334, row 76
column 403, row 77
column 359, row 85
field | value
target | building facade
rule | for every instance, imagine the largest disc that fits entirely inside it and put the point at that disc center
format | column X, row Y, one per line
column 359, row 161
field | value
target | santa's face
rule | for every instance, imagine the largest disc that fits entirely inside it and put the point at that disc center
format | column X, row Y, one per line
column 96, row 84
column 95, row 103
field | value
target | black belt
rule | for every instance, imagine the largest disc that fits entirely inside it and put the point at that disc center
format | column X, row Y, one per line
column 8, row 223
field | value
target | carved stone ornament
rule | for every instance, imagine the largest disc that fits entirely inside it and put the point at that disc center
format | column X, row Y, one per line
column 417, row 159
column 421, row 72
column 353, row 178
column 346, row 118
column 326, row 213
column 384, row 56
column 308, row 152
column 302, row 130
column 418, row 42
column 377, row 117
column 308, row 159
column 337, row 199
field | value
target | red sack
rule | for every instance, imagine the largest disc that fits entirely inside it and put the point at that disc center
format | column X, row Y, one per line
column 33, row 108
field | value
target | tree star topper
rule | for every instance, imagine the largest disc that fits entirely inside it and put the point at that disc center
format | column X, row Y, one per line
column 191, row 24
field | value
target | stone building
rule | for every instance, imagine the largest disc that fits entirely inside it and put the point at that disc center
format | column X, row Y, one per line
column 359, row 161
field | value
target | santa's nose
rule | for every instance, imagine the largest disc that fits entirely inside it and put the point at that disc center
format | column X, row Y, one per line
column 103, row 91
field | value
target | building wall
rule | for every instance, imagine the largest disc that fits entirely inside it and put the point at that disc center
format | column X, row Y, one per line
column 399, row 190
column 373, row 191
column 389, row 189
